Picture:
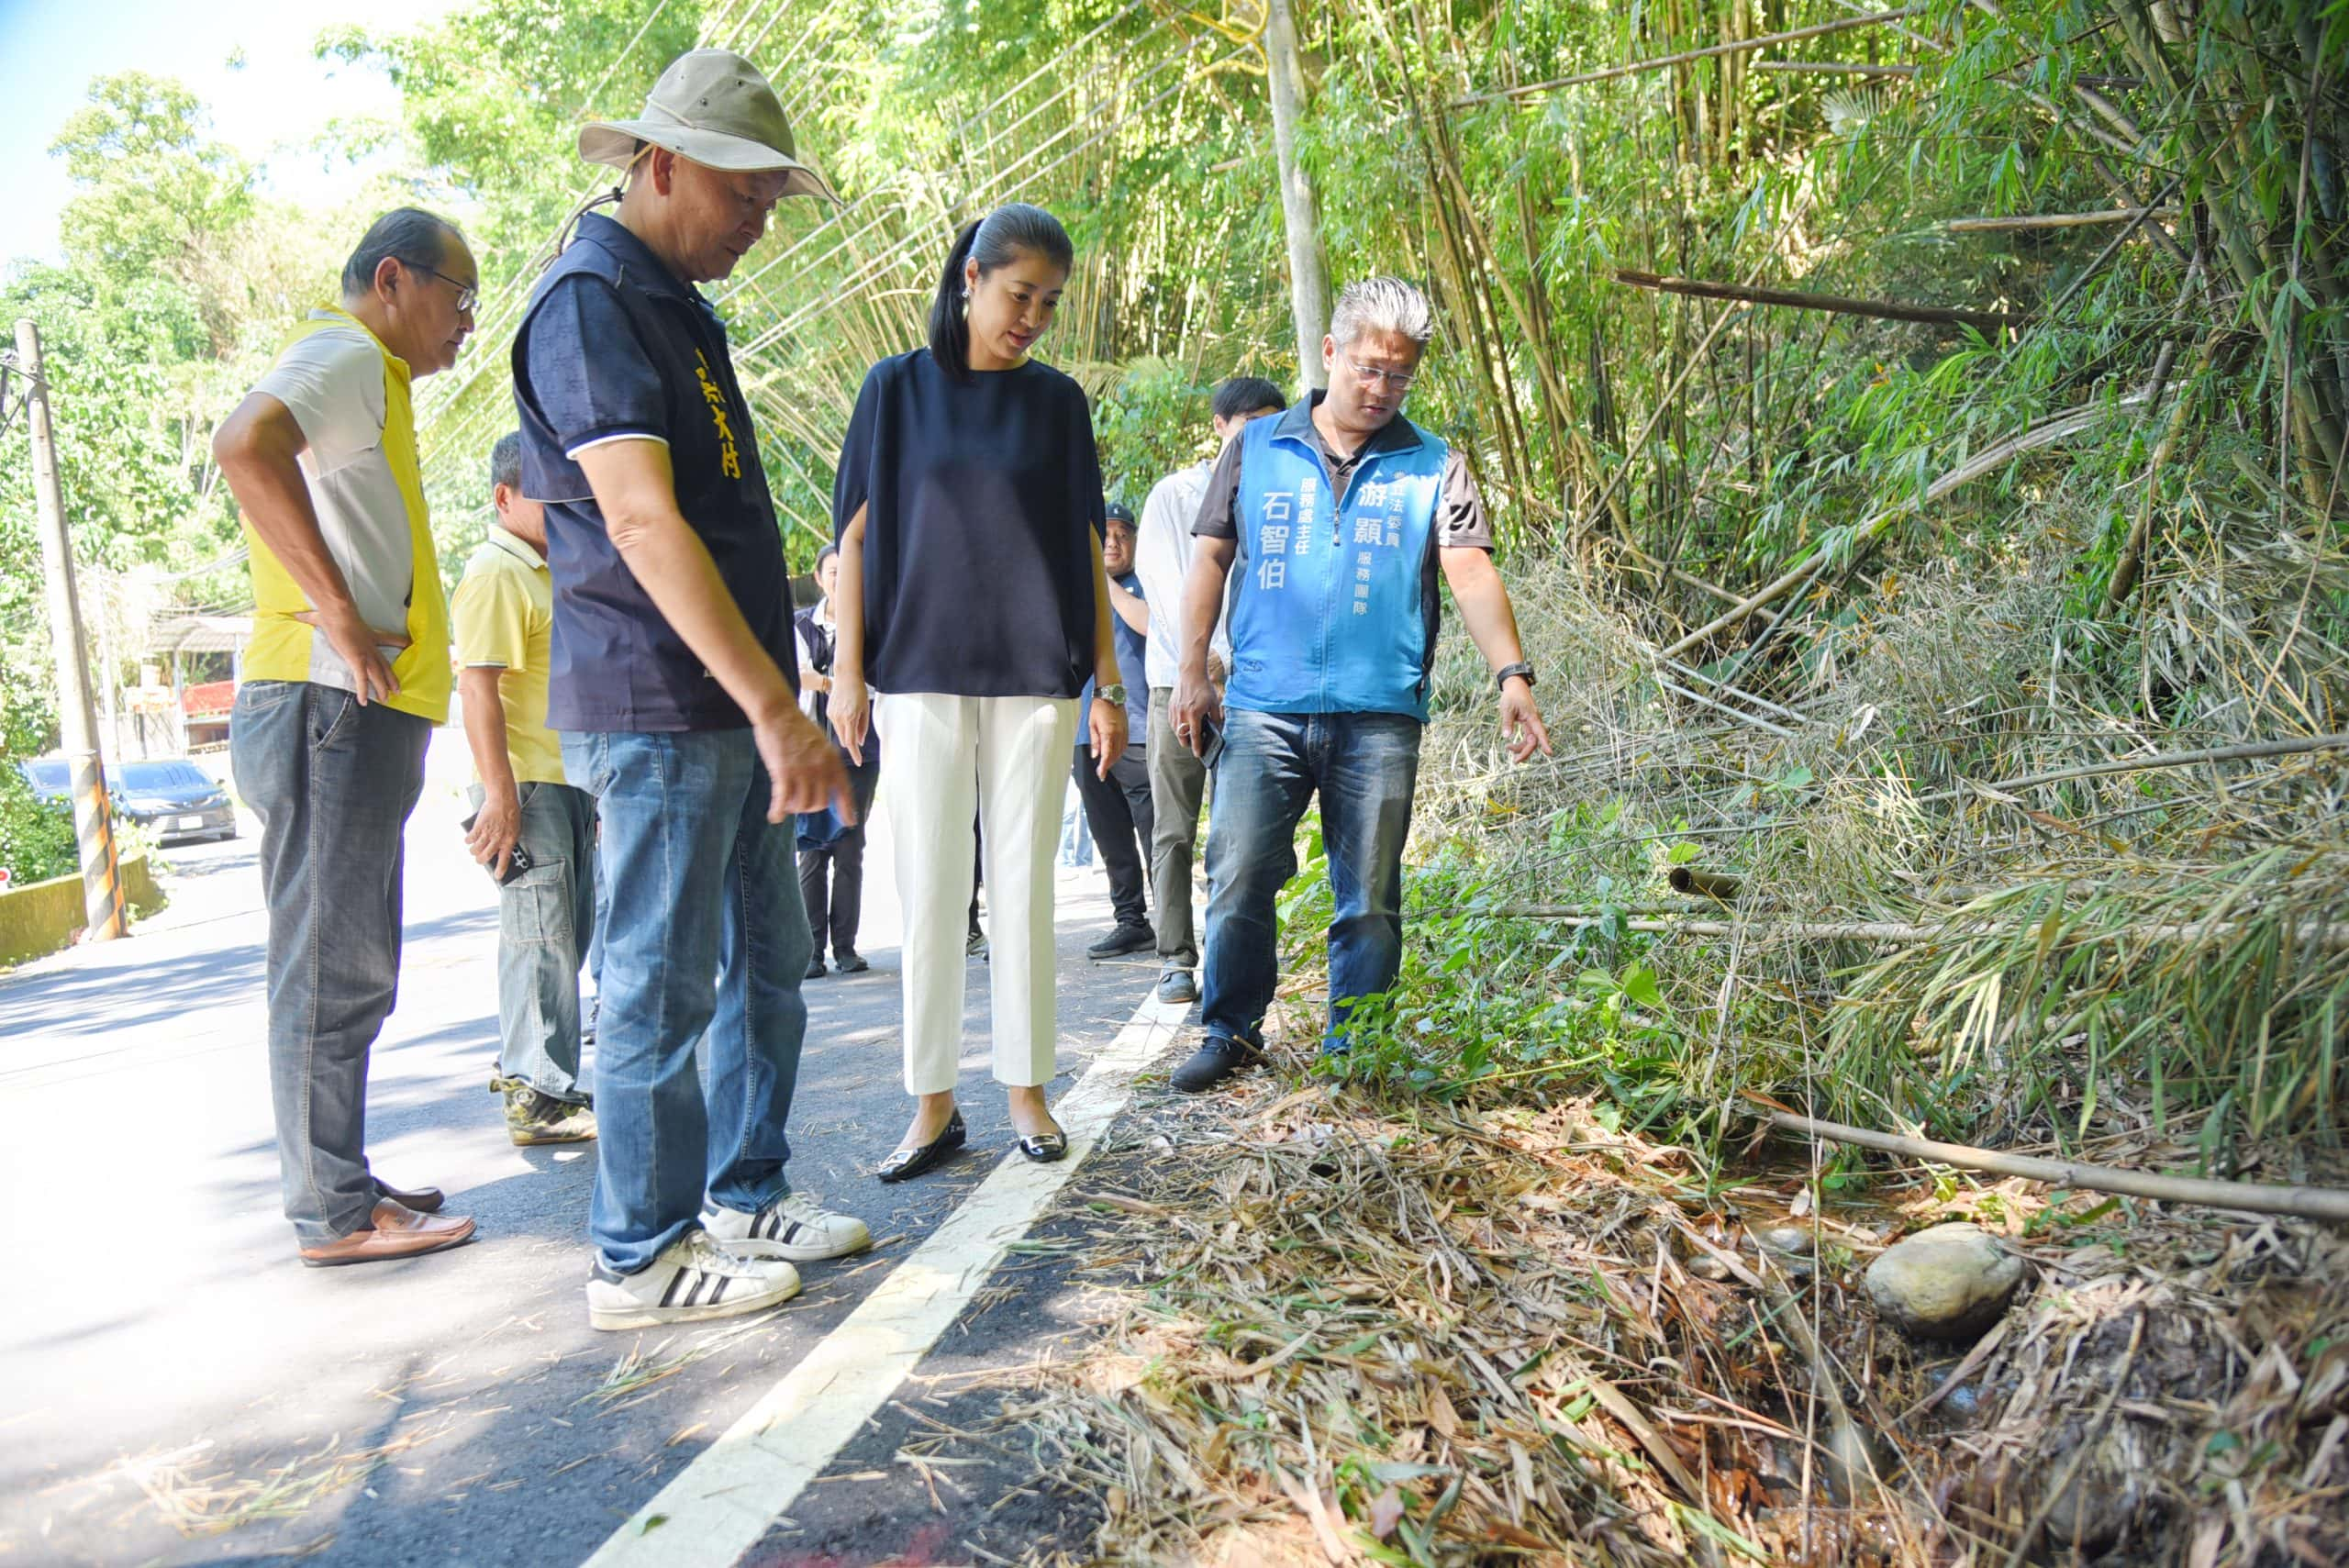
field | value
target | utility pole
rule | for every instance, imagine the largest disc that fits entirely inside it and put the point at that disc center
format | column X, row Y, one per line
column 93, row 818
column 1308, row 289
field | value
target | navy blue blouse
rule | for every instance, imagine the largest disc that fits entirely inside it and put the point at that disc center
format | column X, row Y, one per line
column 983, row 529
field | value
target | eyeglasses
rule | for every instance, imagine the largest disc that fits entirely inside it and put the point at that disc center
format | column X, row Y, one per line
column 1373, row 376
column 467, row 294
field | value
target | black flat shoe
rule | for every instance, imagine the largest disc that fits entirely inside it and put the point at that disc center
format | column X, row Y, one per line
column 906, row 1163
column 1045, row 1147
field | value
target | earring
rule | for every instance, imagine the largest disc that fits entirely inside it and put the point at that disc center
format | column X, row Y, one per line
column 966, row 293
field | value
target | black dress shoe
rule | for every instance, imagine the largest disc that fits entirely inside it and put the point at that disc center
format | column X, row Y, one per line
column 849, row 962
column 1046, row 1147
column 424, row 1200
column 1214, row 1062
column 906, row 1163
column 815, row 970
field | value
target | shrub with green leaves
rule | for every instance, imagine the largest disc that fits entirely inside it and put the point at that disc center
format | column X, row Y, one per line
column 35, row 835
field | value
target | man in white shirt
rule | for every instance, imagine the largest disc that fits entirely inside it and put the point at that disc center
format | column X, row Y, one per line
column 1177, row 778
column 345, row 677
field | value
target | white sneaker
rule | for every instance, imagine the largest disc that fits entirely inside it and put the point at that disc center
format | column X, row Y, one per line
column 694, row 1277
column 789, row 1227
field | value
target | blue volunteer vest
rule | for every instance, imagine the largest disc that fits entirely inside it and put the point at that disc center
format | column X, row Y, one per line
column 1328, row 615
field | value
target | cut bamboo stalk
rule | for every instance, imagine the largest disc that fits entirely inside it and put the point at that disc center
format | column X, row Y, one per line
column 2252, row 1197
column 1719, row 884
column 2060, row 219
column 1881, row 309
column 1639, row 67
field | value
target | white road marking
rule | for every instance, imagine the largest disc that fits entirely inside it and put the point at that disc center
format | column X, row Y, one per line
column 719, row 1506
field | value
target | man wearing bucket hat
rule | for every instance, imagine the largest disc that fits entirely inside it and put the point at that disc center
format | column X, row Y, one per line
column 673, row 682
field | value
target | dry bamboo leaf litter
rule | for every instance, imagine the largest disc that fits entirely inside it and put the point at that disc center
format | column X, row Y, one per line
column 1356, row 1328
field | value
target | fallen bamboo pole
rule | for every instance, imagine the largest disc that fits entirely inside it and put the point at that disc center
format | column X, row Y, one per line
column 1834, row 68
column 2331, row 935
column 2245, row 753
column 2253, row 1197
column 2059, row 219
column 1742, row 46
column 1906, row 72
column 1880, row 309
column 1715, row 682
column 1755, row 720
column 2069, row 423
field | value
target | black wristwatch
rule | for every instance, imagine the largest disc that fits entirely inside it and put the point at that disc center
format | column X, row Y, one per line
column 1501, row 676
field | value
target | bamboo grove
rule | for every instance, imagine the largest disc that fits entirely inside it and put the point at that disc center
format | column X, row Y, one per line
column 1878, row 403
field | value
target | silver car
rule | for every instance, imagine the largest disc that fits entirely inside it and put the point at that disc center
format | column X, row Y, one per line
column 170, row 795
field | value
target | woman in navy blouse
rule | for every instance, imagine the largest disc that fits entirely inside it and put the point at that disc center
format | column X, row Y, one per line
column 972, row 603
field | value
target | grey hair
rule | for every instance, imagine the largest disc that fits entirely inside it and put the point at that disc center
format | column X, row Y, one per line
column 1382, row 305
column 410, row 236
column 505, row 461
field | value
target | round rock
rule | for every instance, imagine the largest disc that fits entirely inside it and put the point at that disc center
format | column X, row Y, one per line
column 1951, row 1282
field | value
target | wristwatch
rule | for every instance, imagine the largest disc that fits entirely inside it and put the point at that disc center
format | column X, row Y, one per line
column 1501, row 676
column 1114, row 694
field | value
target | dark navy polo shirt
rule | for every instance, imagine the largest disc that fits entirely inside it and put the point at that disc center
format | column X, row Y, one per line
column 1132, row 650
column 612, row 345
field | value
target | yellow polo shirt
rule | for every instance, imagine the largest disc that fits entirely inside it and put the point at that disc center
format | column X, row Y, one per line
column 504, row 611
column 349, row 394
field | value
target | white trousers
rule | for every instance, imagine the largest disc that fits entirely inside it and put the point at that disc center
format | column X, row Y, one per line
column 941, row 756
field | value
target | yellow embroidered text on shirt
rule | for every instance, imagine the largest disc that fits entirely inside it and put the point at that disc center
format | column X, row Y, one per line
column 729, row 460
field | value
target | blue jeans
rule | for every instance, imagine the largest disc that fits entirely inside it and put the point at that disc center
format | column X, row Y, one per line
column 333, row 783
column 546, row 918
column 701, row 886
column 1364, row 766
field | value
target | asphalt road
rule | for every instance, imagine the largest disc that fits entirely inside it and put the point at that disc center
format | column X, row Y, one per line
column 174, row 1388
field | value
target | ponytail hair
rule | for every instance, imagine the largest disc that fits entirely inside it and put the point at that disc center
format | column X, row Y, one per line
column 1014, row 230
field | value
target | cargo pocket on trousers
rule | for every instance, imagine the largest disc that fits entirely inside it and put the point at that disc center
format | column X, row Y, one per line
column 534, row 909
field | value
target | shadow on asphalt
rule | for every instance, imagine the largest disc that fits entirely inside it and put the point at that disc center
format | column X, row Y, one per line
column 87, row 998
column 525, row 1439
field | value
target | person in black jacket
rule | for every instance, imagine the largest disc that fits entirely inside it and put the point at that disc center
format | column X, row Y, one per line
column 831, row 851
column 972, row 597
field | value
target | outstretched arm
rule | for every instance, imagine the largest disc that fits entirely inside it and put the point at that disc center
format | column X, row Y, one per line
column 1484, row 609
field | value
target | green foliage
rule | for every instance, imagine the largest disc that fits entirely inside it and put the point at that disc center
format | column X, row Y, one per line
column 153, row 193
column 36, row 835
column 178, row 284
column 1153, row 422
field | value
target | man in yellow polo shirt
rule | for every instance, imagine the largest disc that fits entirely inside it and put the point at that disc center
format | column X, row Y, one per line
column 523, row 806
column 345, row 678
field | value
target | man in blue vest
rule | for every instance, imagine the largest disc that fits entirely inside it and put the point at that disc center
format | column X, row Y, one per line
column 1339, row 516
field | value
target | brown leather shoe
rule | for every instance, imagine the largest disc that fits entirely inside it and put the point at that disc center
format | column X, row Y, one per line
column 398, row 1231
column 424, row 1200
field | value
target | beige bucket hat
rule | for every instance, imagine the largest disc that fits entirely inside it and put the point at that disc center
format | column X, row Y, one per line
column 715, row 108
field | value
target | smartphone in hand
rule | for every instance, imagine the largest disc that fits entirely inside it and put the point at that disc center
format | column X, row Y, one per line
column 1212, row 752
column 517, row 863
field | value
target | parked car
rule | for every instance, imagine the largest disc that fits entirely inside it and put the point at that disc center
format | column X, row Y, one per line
column 171, row 795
